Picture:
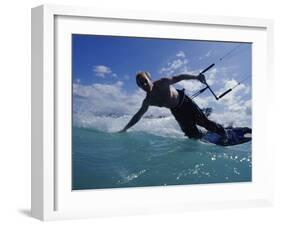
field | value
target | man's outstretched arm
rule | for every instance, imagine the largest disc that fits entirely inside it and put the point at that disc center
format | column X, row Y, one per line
column 181, row 77
column 137, row 116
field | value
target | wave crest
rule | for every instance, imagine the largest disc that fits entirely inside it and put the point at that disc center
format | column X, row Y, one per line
column 166, row 126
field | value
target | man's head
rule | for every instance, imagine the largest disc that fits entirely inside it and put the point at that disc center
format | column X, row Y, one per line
column 144, row 81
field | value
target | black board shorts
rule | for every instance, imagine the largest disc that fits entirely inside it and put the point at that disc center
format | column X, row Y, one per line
column 188, row 115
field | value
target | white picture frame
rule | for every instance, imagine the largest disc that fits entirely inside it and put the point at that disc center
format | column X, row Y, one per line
column 52, row 197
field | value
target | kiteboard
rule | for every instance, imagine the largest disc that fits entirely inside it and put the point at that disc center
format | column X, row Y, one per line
column 235, row 136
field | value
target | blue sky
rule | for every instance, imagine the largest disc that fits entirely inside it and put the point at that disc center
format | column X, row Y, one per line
column 106, row 65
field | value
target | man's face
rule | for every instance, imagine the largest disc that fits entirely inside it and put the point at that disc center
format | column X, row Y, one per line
column 144, row 82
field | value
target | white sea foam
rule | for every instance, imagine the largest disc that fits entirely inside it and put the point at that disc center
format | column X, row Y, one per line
column 166, row 127
column 129, row 177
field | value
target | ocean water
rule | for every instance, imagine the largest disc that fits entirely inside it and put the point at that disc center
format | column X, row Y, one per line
column 153, row 153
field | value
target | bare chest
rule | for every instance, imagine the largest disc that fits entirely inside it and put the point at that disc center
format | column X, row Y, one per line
column 164, row 97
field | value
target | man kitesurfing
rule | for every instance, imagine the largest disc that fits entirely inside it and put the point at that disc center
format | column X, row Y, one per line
column 188, row 114
column 161, row 93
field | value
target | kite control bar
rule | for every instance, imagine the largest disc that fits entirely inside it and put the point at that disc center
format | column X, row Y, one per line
column 229, row 90
column 223, row 94
column 208, row 87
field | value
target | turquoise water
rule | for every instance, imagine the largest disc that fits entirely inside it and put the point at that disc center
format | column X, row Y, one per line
column 104, row 159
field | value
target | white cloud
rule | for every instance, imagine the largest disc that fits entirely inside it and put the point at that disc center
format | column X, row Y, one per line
column 211, row 76
column 178, row 64
column 180, row 54
column 190, row 85
column 174, row 66
column 101, row 70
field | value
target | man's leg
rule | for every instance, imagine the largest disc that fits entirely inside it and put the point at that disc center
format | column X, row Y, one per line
column 211, row 126
column 191, row 131
column 203, row 121
column 187, row 123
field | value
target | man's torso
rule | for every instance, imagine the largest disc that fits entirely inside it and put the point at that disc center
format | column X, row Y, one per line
column 163, row 95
